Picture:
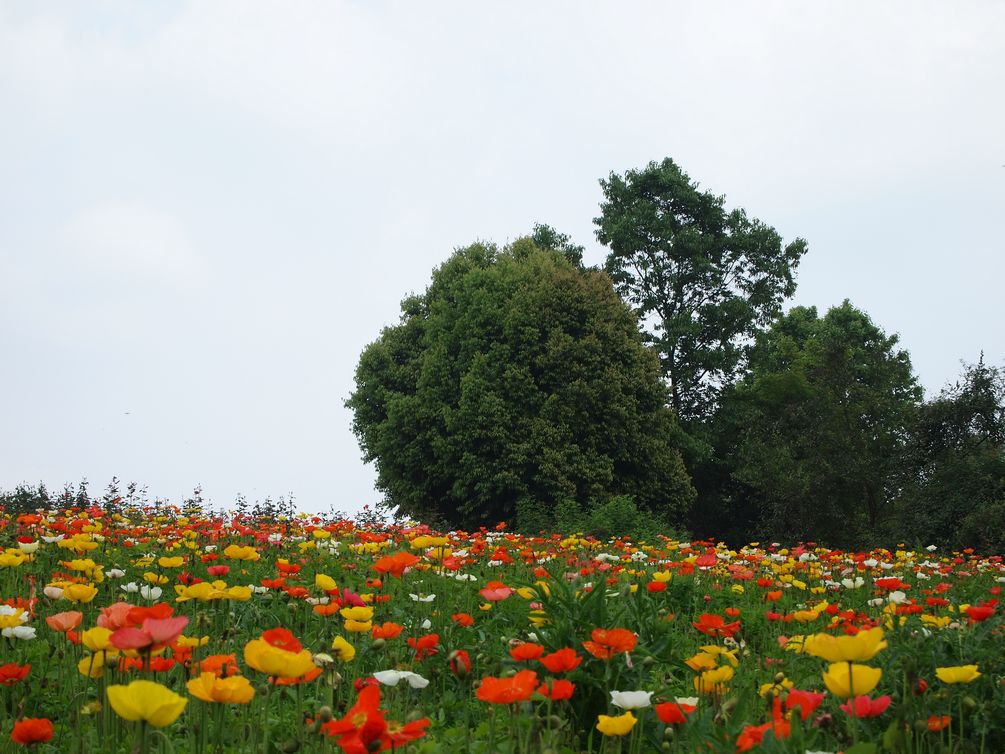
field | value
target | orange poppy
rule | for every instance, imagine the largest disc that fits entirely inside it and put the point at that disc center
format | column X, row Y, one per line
column 396, row 564
column 607, row 642
column 558, row 690
column 462, row 619
column 519, row 688
column 424, row 646
column 32, row 730
column 64, row 622
column 561, row 661
column 12, row 673
column 526, row 651
column 221, row 666
column 387, row 630
column 715, row 625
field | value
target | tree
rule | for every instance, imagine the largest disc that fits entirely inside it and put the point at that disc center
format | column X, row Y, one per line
column 821, row 423
column 705, row 280
column 516, row 380
column 953, row 490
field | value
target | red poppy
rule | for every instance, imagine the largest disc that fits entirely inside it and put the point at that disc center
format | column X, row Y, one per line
column 561, row 661
column 671, row 713
column 866, row 707
column 282, row 638
column 936, row 723
column 526, row 651
column 978, row 613
column 153, row 633
column 460, row 662
column 508, row 690
column 558, row 690
column 32, row 730
column 397, row 734
column 218, row 570
column 715, row 625
column 396, row 564
column 12, row 673
column 806, row 701
column 607, row 642
column 387, row 630
column 462, row 619
column 424, row 646
column 363, row 724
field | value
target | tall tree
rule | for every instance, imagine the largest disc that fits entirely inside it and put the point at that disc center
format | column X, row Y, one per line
column 703, row 279
column 821, row 423
column 953, row 488
column 517, row 379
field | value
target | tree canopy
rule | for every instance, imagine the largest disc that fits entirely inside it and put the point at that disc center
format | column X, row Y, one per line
column 516, row 379
column 705, row 280
column 821, row 424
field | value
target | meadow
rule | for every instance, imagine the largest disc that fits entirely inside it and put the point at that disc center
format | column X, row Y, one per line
column 158, row 631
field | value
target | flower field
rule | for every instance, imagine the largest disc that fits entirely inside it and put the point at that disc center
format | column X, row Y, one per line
column 162, row 632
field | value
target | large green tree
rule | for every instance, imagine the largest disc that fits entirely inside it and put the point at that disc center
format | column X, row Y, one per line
column 517, row 379
column 704, row 280
column 820, row 426
column 953, row 487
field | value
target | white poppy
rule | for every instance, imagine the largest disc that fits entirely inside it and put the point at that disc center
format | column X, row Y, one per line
column 631, row 699
column 392, row 677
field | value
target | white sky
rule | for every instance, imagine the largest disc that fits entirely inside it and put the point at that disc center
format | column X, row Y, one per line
column 207, row 209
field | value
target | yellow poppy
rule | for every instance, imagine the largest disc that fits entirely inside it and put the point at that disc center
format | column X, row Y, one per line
column 210, row 688
column 862, row 646
column 844, row 679
column 146, row 700
column 958, row 674
column 619, row 725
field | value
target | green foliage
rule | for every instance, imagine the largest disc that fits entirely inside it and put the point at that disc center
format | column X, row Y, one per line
column 516, row 379
column 953, row 484
column 705, row 279
column 820, row 425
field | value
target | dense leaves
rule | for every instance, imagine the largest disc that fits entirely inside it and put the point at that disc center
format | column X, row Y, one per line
column 821, row 424
column 517, row 379
column 705, row 280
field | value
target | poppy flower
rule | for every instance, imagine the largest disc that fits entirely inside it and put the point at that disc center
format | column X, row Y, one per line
column 387, row 630
column 392, row 677
column 220, row 665
column 958, row 674
column 864, row 645
column 561, row 661
column 12, row 673
column 518, row 688
column 462, row 619
column 424, row 646
column 978, row 613
column 146, row 700
column 397, row 734
column 674, row 713
column 526, row 651
column 66, row 621
column 154, row 632
column 210, row 688
column 715, row 625
column 270, row 656
column 363, row 724
column 844, row 678
column 32, row 730
column 619, row 725
column 937, row 723
column 631, row 699
column 460, row 662
column 558, row 691
column 395, row 565
column 607, row 642
column 863, row 706
column 805, row 701
column 495, row 591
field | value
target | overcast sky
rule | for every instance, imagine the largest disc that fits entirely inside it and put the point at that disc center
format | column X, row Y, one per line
column 207, row 209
